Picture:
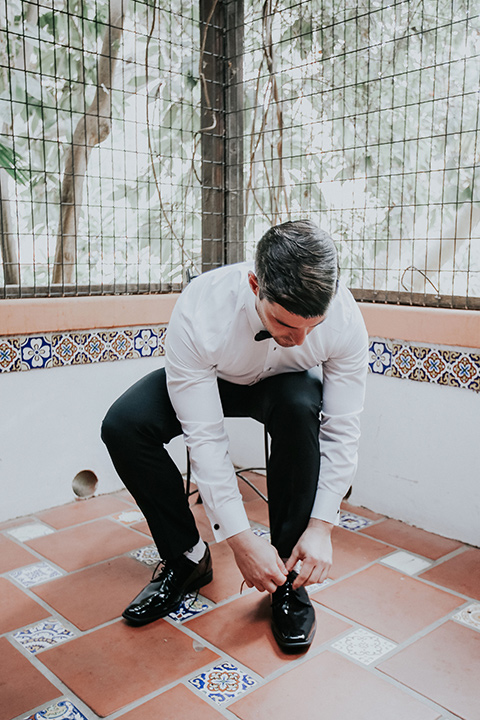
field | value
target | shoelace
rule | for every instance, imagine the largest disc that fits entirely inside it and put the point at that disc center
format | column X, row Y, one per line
column 163, row 564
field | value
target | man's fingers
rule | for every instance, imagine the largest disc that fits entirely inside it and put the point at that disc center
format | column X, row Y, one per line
column 292, row 561
column 305, row 572
column 282, row 567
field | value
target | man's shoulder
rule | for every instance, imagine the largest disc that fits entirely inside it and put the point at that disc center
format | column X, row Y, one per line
column 212, row 300
column 227, row 279
column 344, row 308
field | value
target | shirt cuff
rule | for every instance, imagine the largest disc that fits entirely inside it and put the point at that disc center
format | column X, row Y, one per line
column 327, row 506
column 228, row 520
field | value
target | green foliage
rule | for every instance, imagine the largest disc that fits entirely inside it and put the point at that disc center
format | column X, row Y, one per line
column 368, row 123
column 10, row 162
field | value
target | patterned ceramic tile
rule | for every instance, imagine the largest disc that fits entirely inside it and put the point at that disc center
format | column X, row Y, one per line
column 62, row 710
column 76, row 348
column 469, row 616
column 380, row 357
column 65, row 350
column 350, row 521
column 145, row 342
column 120, row 344
column 146, row 555
column 317, row 586
column 43, row 635
column 35, row 574
column 36, row 352
column 191, row 606
column 364, row 646
column 406, row 562
column 455, row 368
column 260, row 530
column 223, row 683
column 129, row 516
column 30, row 531
column 10, row 356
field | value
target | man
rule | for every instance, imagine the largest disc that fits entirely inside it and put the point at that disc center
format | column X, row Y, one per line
column 282, row 342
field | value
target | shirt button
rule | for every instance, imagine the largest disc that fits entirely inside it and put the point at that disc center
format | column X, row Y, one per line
column 216, row 526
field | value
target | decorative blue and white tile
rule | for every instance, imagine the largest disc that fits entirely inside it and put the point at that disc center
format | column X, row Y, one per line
column 147, row 555
column 120, row 344
column 191, row 606
column 380, row 357
column 223, row 683
column 351, row 521
column 29, row 352
column 95, row 346
column 469, row 616
column 260, row 530
column 162, row 334
column 145, row 342
column 10, row 356
column 364, row 646
column 36, row 352
column 406, row 562
column 43, row 635
column 314, row 587
column 65, row 350
column 62, row 710
column 127, row 517
column 35, row 574
column 30, row 531
column 456, row 368
column 465, row 370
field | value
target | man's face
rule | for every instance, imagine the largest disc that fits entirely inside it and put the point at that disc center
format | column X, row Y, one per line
column 286, row 328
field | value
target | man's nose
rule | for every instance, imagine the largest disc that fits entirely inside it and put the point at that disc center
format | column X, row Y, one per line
column 299, row 336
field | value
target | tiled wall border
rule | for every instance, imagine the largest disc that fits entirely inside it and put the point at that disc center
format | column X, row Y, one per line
column 46, row 350
column 443, row 366
column 394, row 358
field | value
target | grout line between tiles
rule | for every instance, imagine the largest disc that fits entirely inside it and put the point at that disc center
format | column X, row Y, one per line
column 224, row 657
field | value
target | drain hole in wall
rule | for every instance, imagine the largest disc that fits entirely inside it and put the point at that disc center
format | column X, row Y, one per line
column 84, row 484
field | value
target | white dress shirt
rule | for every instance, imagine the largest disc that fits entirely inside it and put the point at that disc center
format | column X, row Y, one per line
column 211, row 335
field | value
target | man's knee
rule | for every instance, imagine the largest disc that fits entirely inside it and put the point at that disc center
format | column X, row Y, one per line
column 116, row 425
column 298, row 394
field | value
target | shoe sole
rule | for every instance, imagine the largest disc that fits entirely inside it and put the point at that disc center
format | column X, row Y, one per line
column 295, row 647
column 204, row 580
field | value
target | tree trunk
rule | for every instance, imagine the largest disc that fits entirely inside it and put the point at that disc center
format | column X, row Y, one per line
column 11, row 267
column 11, row 274
column 91, row 130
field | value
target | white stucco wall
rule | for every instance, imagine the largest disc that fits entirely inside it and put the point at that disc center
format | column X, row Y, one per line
column 419, row 458
column 50, row 431
column 419, row 455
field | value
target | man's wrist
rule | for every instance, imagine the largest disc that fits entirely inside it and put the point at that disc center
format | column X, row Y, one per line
column 240, row 539
column 321, row 525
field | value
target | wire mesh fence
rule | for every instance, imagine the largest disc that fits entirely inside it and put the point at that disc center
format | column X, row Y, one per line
column 140, row 140
column 365, row 116
column 100, row 114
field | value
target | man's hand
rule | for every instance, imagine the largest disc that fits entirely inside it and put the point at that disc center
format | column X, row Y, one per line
column 258, row 561
column 314, row 549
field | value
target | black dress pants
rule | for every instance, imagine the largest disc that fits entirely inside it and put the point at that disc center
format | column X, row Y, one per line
column 140, row 423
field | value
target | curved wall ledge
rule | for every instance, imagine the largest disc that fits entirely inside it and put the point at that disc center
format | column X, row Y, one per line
column 424, row 344
column 458, row 328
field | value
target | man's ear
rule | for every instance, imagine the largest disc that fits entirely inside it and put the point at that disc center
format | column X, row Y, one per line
column 253, row 282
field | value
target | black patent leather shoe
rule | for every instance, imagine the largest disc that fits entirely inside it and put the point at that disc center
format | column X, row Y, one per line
column 293, row 617
column 165, row 593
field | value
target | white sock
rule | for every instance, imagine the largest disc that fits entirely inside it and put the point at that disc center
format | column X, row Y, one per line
column 196, row 553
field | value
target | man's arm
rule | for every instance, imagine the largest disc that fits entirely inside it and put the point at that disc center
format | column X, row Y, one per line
column 344, row 376
column 193, row 389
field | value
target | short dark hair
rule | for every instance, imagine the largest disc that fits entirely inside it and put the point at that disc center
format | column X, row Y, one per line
column 296, row 265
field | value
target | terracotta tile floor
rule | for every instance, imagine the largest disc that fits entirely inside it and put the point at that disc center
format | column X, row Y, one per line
column 398, row 626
